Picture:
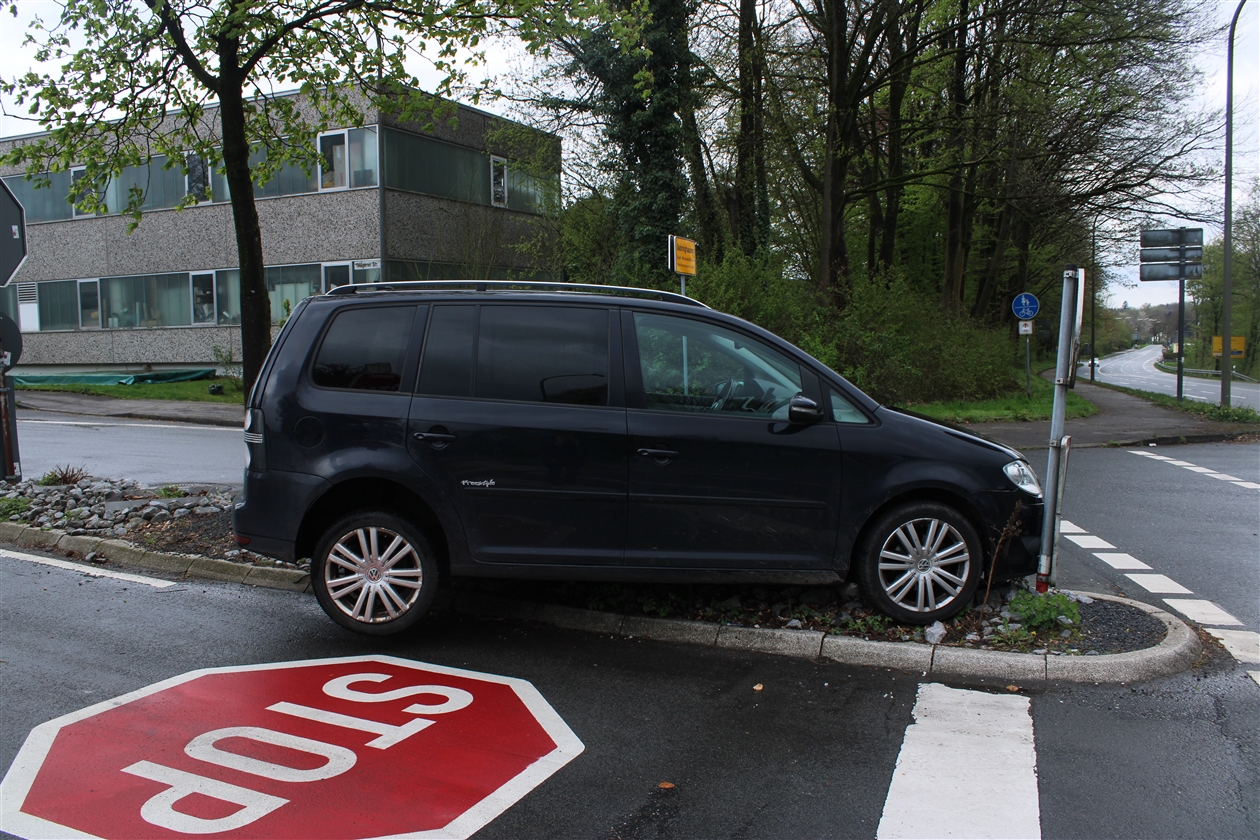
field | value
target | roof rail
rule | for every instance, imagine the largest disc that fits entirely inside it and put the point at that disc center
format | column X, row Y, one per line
column 513, row 286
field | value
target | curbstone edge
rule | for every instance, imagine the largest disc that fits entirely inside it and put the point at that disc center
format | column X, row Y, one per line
column 807, row 643
column 907, row 656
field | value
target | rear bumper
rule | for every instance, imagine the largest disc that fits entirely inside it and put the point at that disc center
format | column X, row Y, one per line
column 270, row 508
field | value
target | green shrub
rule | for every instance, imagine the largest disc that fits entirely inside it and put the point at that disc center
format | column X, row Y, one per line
column 14, row 506
column 1041, row 612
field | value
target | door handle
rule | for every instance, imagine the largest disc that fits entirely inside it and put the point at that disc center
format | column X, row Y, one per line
column 433, row 437
column 658, row 453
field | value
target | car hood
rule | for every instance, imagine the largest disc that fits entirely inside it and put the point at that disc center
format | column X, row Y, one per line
column 957, row 432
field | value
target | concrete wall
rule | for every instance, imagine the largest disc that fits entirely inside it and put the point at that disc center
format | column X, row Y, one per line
column 130, row 349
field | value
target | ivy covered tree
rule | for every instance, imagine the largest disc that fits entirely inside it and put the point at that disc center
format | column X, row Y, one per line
column 195, row 80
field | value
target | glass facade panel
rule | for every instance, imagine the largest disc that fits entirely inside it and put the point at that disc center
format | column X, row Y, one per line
column 227, row 295
column 332, row 161
column 291, row 283
column 203, row 298
column 161, row 188
column 50, row 204
column 528, row 193
column 198, row 178
column 548, row 354
column 336, row 275
column 424, row 165
column 9, row 301
column 365, row 349
column 150, row 300
column 367, row 272
column 89, row 305
column 290, row 179
column 362, row 157
column 59, row 305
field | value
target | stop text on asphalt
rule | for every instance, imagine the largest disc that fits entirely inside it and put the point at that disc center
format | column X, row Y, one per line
column 363, row 746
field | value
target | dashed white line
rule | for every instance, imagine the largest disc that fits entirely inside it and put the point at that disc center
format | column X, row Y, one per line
column 1159, row 584
column 156, row 583
column 1224, row 477
column 1120, row 561
column 1204, row 612
column 967, row 768
column 1242, row 644
column 1086, row 541
column 1066, row 527
column 1232, row 479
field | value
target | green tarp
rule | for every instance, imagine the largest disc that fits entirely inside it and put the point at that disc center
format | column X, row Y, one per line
column 115, row 378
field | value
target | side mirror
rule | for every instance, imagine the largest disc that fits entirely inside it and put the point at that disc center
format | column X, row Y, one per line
column 803, row 411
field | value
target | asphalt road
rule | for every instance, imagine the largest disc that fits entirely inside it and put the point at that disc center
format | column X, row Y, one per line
column 815, row 752
column 1136, row 369
column 149, row 451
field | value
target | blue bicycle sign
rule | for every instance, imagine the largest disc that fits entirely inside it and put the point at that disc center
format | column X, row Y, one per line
column 1025, row 306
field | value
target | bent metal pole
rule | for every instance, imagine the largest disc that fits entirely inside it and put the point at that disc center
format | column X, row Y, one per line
column 1054, row 462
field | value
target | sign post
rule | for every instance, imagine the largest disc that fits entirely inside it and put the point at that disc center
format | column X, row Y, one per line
column 1174, row 254
column 1056, row 464
column 1026, row 306
column 12, row 255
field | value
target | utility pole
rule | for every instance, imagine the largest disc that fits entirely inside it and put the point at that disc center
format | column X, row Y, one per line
column 1227, row 337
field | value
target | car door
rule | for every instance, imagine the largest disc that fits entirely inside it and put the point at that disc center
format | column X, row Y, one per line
column 519, row 414
column 718, row 478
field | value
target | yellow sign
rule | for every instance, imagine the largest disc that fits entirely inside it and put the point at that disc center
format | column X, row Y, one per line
column 682, row 256
column 1236, row 346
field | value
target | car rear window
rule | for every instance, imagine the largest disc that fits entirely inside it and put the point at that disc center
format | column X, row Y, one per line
column 365, row 349
column 553, row 354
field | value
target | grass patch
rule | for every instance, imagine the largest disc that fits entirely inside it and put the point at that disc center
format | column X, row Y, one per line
column 14, row 507
column 233, row 394
column 1017, row 406
column 1209, row 411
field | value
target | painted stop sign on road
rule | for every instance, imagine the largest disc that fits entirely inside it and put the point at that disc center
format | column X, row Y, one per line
column 366, row 746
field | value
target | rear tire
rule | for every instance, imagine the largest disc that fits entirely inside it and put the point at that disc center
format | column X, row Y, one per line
column 374, row 572
column 920, row 563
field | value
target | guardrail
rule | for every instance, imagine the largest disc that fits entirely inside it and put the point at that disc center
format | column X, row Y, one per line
column 1197, row 372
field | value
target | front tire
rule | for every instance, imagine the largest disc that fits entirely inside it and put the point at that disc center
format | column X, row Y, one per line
column 921, row 563
column 374, row 572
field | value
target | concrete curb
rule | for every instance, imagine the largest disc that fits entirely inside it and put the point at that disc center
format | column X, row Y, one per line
column 1177, row 652
column 161, row 416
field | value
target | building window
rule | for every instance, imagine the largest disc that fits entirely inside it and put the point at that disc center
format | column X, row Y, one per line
column 150, row 300
column 332, row 161
column 336, row 275
column 89, row 305
column 197, row 182
column 59, row 305
column 9, row 302
column 79, row 188
column 424, row 165
column 498, row 182
column 203, row 298
column 161, row 187
column 227, row 296
column 367, row 271
column 43, row 204
column 290, row 284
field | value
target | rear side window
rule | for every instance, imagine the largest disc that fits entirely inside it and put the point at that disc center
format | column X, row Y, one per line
column 448, row 354
column 553, row 354
column 365, row 349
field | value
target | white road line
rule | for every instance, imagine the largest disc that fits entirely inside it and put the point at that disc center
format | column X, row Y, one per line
column 1087, row 541
column 1198, row 469
column 1181, row 463
column 967, row 769
column 1066, row 527
column 1224, row 477
column 1250, row 485
column 1150, row 455
column 1243, row 645
column 1232, row 479
column 1120, row 561
column 1204, row 612
column 156, row 583
column 1160, row 584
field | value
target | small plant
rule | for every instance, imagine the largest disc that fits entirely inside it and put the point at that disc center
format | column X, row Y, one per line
column 231, row 367
column 170, row 491
column 1016, row 637
column 287, row 308
column 13, row 507
column 870, row 625
column 63, row 475
column 1041, row 612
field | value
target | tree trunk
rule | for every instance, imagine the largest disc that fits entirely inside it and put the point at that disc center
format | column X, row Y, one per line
column 255, row 304
column 833, row 268
column 712, row 239
column 752, row 205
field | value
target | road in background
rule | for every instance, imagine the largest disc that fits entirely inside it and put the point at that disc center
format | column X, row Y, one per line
column 1136, row 369
column 146, row 450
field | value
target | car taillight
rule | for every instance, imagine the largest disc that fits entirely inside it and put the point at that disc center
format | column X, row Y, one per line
column 255, row 442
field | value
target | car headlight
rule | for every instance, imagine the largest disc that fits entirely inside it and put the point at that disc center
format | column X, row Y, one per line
column 1022, row 476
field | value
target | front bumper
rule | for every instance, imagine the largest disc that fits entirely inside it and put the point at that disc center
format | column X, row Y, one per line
column 1020, row 515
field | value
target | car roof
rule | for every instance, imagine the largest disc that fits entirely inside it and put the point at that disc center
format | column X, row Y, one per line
column 514, row 289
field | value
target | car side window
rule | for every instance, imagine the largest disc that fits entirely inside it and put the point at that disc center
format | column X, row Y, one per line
column 694, row 366
column 365, row 349
column 843, row 411
column 446, row 370
column 552, row 354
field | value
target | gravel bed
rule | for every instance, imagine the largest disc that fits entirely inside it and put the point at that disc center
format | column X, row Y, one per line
column 1108, row 627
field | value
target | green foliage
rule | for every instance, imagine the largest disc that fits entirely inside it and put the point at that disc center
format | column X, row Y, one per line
column 170, row 491
column 1016, row 406
column 872, row 624
column 14, row 507
column 183, row 391
column 1210, row 411
column 61, row 475
column 1041, row 612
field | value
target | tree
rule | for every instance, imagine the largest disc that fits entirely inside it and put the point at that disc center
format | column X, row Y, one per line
column 193, row 80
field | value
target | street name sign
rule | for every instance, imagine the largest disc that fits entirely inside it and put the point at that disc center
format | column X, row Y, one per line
column 1025, row 306
column 1171, row 271
column 12, row 234
column 1171, row 254
column 1171, row 237
column 363, row 746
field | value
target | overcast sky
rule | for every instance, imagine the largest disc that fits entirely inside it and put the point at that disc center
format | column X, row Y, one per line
column 16, row 59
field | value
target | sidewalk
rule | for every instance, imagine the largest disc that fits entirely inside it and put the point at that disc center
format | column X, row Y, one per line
column 1122, row 420
column 203, row 413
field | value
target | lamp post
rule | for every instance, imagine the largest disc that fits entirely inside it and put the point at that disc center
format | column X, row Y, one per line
column 1227, row 338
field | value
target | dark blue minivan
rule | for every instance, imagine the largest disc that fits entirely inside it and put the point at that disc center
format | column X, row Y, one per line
column 402, row 433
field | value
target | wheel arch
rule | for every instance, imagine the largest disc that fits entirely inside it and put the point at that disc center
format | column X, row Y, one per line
column 956, row 500
column 372, row 493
